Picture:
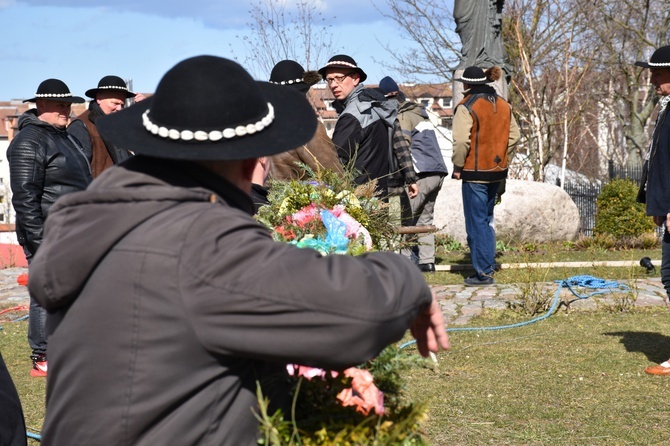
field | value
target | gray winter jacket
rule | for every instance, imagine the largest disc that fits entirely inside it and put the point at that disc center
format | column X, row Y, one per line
column 162, row 322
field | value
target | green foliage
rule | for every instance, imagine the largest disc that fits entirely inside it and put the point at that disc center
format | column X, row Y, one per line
column 533, row 297
column 617, row 212
column 609, row 242
column 447, row 243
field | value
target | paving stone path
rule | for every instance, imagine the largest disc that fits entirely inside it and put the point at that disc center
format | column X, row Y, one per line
column 459, row 303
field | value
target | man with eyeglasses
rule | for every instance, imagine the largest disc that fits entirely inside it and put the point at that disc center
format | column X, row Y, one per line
column 109, row 97
column 362, row 131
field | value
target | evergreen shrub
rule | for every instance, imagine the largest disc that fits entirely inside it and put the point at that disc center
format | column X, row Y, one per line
column 617, row 212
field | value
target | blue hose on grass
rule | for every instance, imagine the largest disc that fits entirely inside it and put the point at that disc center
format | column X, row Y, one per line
column 602, row 286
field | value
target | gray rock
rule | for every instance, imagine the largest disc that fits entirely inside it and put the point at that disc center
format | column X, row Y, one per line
column 530, row 212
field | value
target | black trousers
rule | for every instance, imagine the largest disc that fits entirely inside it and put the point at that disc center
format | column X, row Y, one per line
column 12, row 426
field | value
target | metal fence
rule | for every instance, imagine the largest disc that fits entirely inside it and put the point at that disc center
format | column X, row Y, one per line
column 585, row 194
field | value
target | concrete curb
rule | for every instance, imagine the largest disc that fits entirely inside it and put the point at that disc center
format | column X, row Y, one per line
column 605, row 263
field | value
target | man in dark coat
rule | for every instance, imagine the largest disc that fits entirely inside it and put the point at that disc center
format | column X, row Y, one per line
column 184, row 304
column 45, row 163
column 109, row 97
column 657, row 183
column 364, row 129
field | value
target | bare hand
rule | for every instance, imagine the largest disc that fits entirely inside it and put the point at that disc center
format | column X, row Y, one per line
column 428, row 329
column 139, row 97
column 456, row 175
column 413, row 190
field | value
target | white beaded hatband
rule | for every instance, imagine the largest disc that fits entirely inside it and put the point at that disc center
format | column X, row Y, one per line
column 659, row 64
column 340, row 62
column 467, row 79
column 112, row 87
column 288, row 82
column 214, row 135
column 54, row 95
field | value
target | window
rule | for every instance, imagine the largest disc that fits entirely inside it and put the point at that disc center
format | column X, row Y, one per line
column 446, row 102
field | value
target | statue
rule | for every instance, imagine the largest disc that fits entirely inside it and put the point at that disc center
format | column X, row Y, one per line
column 479, row 24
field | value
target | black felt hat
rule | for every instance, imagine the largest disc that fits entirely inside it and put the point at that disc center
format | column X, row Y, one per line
column 110, row 83
column 210, row 108
column 660, row 59
column 55, row 90
column 343, row 61
column 474, row 76
column 292, row 74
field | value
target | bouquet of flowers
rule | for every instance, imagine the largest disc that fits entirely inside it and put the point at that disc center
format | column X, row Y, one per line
column 360, row 405
column 330, row 214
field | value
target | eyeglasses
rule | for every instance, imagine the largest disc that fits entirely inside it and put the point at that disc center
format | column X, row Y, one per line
column 337, row 79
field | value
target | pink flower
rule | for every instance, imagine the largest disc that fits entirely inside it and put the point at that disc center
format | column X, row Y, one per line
column 363, row 393
column 338, row 209
column 288, row 234
column 305, row 215
column 307, row 372
column 354, row 228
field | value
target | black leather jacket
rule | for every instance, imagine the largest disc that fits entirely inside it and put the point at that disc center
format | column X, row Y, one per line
column 44, row 164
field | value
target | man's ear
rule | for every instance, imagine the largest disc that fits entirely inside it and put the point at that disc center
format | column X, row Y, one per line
column 356, row 78
column 248, row 166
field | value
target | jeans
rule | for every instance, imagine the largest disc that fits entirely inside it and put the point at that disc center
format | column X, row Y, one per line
column 37, row 333
column 478, row 202
column 423, row 206
column 37, row 321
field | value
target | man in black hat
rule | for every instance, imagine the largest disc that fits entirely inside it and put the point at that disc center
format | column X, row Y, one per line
column 319, row 152
column 484, row 129
column 364, row 129
column 164, row 324
column 45, row 163
column 655, row 187
column 109, row 97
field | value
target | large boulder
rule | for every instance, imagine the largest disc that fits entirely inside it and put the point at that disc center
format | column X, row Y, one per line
column 529, row 212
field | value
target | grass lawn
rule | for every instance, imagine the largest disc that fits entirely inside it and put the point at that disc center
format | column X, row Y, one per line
column 573, row 379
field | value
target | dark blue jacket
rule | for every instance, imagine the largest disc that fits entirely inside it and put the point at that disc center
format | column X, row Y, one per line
column 658, row 180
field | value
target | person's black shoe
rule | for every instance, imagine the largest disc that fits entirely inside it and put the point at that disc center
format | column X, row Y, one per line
column 476, row 281
column 427, row 267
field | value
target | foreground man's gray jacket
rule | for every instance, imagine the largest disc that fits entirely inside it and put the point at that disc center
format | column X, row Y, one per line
column 168, row 302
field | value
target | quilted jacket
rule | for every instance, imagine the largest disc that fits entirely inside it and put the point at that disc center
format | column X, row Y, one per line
column 45, row 163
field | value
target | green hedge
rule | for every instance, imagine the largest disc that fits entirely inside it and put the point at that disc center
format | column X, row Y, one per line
column 617, row 212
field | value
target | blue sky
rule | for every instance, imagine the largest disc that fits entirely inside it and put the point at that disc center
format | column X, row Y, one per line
column 81, row 41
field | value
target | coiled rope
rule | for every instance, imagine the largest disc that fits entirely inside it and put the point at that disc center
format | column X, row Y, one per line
column 601, row 286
